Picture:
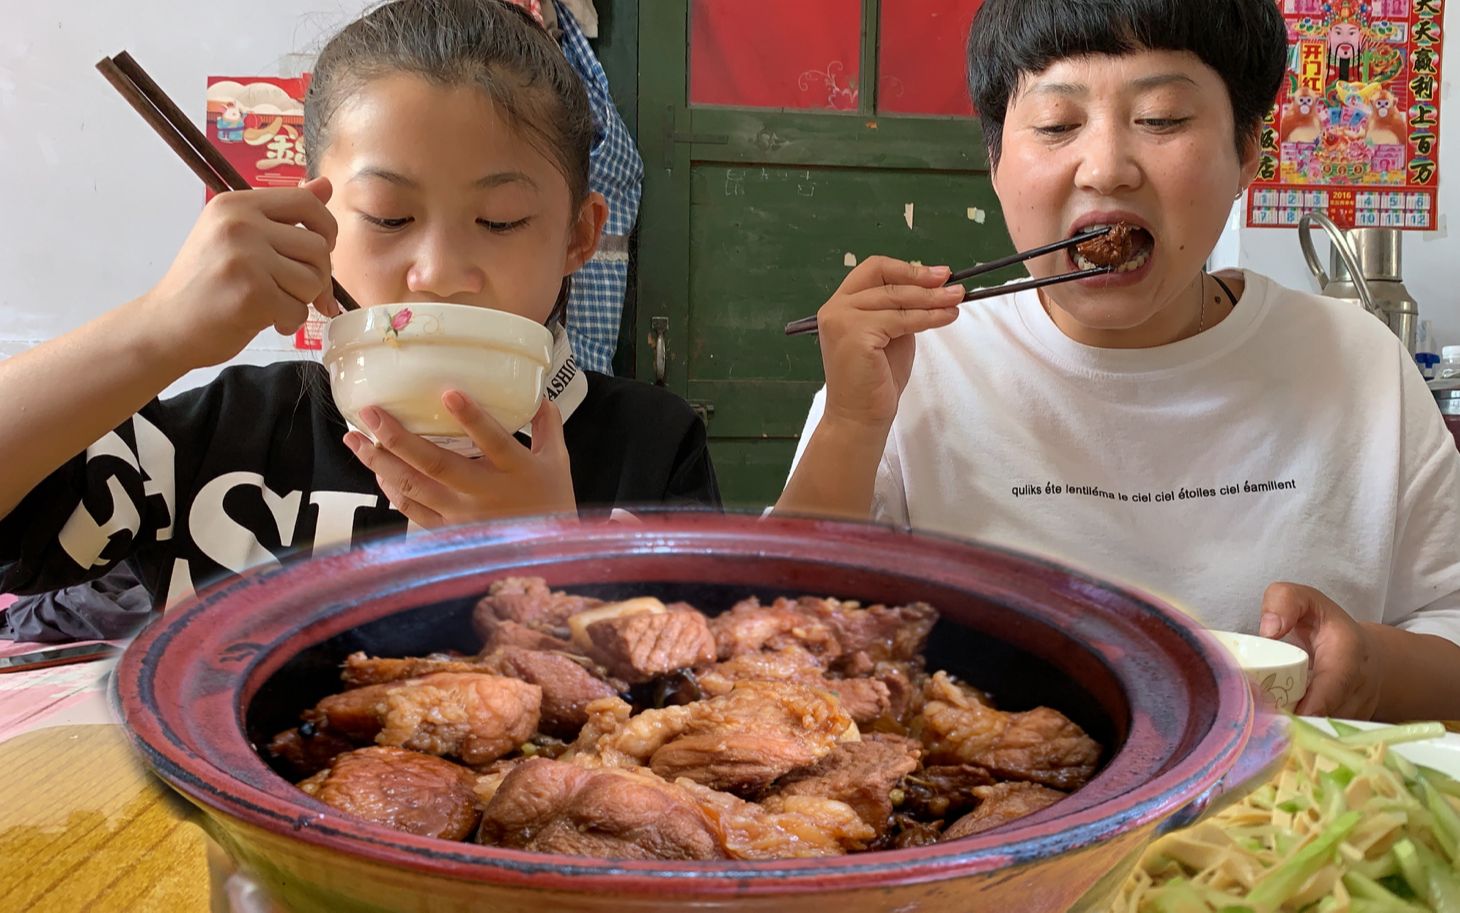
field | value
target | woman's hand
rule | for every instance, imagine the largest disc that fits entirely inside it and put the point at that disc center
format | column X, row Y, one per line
column 1347, row 668
column 867, row 350
column 866, row 331
column 254, row 259
column 435, row 487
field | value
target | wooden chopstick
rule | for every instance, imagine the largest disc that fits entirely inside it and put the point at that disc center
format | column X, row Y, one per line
column 1072, row 241
column 180, row 122
column 183, row 136
column 807, row 325
column 994, row 291
column 155, row 119
column 801, row 326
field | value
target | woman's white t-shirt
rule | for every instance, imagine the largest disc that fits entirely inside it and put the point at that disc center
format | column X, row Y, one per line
column 1294, row 441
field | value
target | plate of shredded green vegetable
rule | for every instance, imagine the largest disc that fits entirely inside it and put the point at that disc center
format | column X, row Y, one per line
column 1361, row 818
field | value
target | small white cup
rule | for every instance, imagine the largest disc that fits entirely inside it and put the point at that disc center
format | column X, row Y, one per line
column 1278, row 671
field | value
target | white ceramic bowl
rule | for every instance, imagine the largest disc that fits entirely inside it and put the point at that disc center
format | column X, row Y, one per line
column 1278, row 671
column 402, row 357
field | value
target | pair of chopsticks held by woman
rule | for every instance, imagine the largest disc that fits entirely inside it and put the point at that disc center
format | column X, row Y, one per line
column 1266, row 459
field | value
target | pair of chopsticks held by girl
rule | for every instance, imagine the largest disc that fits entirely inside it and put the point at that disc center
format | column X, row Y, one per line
column 1264, row 458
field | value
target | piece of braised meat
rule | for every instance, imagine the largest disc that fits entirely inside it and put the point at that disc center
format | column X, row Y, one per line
column 491, row 776
column 873, row 634
column 360, row 670
column 1039, row 746
column 355, row 714
column 567, row 686
column 639, row 647
column 782, row 827
column 616, row 813
column 908, row 832
column 792, row 663
column 846, row 637
column 862, row 774
column 501, row 634
column 474, row 716
column 1114, row 247
column 406, row 790
column 1001, row 803
column 752, row 736
column 742, row 741
column 529, row 602
column 306, row 749
column 943, row 790
column 477, row 718
column 904, row 681
column 865, row 699
column 750, row 627
column 558, row 807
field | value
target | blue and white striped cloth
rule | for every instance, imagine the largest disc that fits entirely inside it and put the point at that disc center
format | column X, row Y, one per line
column 616, row 171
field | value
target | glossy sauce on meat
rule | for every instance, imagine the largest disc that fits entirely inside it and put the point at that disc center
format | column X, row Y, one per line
column 413, row 792
column 1113, row 248
column 638, row 730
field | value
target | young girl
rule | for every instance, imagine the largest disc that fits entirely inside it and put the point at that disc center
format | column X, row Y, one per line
column 1268, row 459
column 448, row 144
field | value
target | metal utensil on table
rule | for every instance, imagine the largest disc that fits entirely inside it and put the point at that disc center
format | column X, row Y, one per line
column 56, row 656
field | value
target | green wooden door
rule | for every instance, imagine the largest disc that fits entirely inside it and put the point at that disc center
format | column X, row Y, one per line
column 750, row 217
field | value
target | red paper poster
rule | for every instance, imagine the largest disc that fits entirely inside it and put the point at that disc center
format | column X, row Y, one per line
column 1356, row 130
column 257, row 122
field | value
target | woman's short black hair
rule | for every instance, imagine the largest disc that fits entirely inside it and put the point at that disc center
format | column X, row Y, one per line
column 1245, row 41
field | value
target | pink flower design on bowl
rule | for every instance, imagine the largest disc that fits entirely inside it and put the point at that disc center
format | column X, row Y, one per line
column 398, row 321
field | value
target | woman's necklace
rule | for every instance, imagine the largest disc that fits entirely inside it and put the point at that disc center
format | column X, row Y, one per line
column 1201, row 313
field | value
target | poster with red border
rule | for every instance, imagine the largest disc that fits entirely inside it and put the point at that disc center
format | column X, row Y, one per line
column 1356, row 129
column 257, row 122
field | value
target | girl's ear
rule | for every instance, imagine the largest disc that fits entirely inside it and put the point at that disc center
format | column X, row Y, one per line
column 587, row 229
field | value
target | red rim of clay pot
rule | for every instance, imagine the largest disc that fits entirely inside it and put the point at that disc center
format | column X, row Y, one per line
column 184, row 684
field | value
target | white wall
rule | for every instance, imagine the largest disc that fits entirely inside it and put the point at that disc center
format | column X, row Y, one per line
column 93, row 206
column 1431, row 259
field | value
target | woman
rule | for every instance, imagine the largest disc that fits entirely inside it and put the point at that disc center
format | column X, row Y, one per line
column 1269, row 460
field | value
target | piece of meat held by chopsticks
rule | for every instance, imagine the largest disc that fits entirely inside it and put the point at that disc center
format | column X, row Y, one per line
column 1122, row 244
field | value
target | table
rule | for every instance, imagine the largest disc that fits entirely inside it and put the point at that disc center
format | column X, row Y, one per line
column 83, row 825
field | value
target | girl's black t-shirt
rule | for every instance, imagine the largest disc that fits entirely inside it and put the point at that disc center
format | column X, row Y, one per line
column 251, row 469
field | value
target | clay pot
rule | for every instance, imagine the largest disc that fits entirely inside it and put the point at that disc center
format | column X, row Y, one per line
column 213, row 679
